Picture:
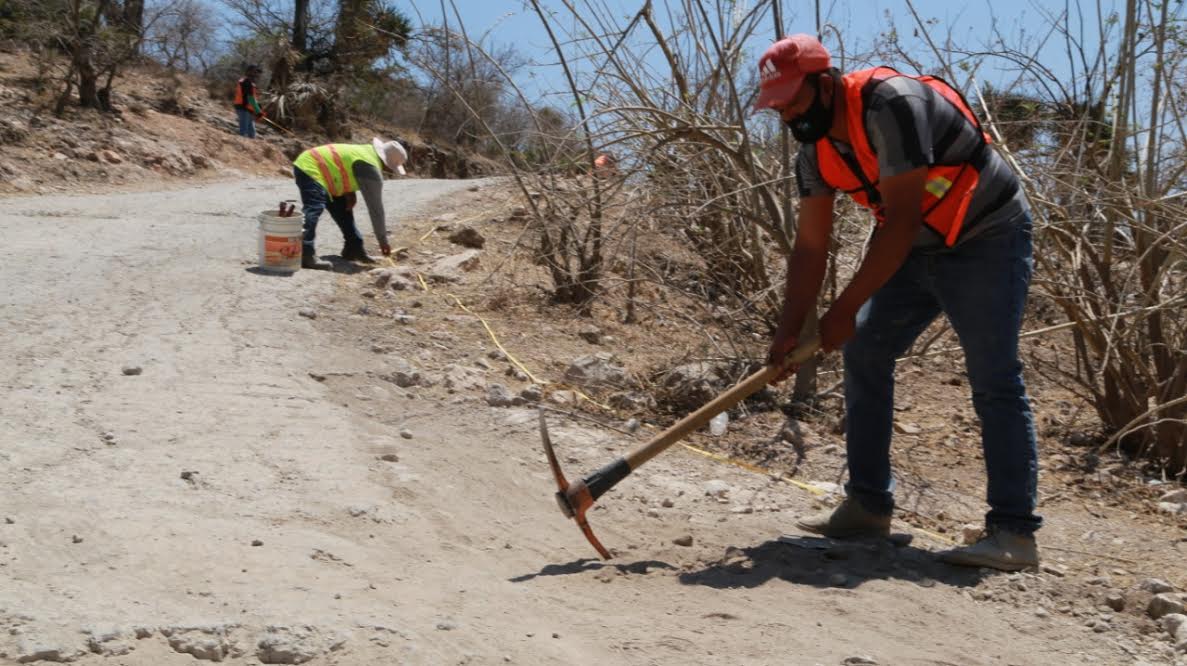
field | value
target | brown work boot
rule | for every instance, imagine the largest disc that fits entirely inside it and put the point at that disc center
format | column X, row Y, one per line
column 850, row 520
column 309, row 260
column 997, row 549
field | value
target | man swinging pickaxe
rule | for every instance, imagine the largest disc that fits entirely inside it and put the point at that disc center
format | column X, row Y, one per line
column 576, row 498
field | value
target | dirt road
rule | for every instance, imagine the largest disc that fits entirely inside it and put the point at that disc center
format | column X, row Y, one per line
column 192, row 469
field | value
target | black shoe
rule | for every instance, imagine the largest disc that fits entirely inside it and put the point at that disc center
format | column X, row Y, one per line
column 309, row 260
column 353, row 252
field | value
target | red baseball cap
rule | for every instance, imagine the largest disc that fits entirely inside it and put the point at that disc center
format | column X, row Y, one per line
column 784, row 66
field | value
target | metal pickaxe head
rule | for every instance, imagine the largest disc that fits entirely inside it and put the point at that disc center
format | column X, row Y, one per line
column 574, row 500
column 577, row 498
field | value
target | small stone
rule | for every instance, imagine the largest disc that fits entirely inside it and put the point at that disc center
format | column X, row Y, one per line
column 632, row 426
column 76, row 539
column 497, row 395
column 1162, row 605
column 188, row 475
column 406, row 433
column 532, row 393
column 308, row 313
column 9, row 521
column 860, row 660
column 1175, row 624
column 667, row 503
column 716, row 488
column 1116, row 601
column 838, row 580
column 1170, row 508
column 685, row 540
column 468, row 237
column 257, row 543
column 1099, row 580
column 970, row 533
column 389, row 457
column 132, row 370
column 404, row 319
column 1156, row 586
column 907, row 428
column 1042, row 612
column 591, row 334
column 1053, row 569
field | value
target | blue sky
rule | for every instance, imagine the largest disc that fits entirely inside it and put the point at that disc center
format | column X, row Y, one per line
column 513, row 22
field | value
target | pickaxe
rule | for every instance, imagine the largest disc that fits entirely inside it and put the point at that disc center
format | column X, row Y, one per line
column 575, row 499
column 282, row 129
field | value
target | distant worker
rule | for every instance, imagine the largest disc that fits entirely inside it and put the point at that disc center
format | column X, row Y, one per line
column 952, row 236
column 247, row 106
column 329, row 176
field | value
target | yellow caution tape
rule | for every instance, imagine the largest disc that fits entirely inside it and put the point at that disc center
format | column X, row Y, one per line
column 495, row 339
column 756, row 469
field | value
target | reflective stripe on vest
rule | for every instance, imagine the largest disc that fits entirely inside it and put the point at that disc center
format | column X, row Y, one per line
column 342, row 186
column 332, row 166
column 949, row 187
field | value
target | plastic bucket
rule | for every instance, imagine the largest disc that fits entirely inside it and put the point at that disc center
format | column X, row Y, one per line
column 280, row 242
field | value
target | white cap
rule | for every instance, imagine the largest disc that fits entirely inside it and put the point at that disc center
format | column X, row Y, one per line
column 392, row 154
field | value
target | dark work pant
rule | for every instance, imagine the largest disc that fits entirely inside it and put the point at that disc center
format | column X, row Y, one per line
column 981, row 287
column 314, row 200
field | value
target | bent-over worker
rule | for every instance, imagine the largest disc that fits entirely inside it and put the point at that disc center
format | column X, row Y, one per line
column 329, row 177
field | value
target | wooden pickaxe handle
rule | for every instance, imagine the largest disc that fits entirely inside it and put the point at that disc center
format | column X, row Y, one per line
column 576, row 498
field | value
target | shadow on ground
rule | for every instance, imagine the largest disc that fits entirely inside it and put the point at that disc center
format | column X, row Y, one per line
column 819, row 562
column 590, row 564
column 256, row 270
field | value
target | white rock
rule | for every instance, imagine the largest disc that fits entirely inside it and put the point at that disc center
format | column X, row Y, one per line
column 717, row 488
column 1175, row 624
column 1171, row 508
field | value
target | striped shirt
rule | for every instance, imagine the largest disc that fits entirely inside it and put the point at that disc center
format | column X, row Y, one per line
column 905, row 121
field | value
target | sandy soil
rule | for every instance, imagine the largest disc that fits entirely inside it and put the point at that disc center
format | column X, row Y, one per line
column 259, row 493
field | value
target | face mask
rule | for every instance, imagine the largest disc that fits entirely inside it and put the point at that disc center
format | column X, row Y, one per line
column 814, row 123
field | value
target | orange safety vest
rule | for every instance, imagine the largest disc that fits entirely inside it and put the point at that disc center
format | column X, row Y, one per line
column 949, row 187
column 239, row 101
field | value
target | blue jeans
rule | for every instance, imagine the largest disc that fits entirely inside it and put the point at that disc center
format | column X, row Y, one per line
column 247, row 123
column 314, row 200
column 981, row 286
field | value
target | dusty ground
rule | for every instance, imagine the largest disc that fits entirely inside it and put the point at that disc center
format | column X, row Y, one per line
column 209, row 462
